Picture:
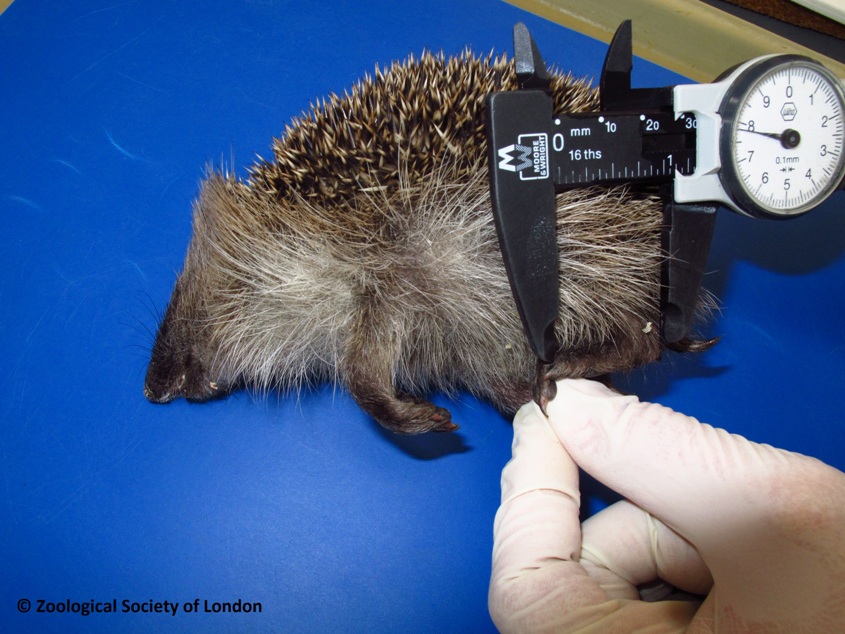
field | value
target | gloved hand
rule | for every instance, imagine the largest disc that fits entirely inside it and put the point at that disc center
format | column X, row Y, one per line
column 758, row 531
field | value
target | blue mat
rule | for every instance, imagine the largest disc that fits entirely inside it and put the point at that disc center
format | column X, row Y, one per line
column 108, row 113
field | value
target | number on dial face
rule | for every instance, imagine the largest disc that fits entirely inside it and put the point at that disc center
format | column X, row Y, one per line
column 788, row 138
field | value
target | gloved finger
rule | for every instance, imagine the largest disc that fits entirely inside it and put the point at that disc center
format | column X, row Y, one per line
column 623, row 548
column 538, row 461
column 537, row 583
column 692, row 476
column 537, row 532
column 768, row 523
column 538, row 520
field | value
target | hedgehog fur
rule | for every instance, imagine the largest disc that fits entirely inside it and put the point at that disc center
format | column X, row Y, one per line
column 365, row 253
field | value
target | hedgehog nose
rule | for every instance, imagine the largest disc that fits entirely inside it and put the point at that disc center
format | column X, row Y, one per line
column 154, row 397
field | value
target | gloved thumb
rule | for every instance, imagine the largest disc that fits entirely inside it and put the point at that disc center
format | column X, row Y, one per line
column 751, row 510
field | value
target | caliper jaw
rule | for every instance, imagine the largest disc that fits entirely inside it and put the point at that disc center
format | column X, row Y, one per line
column 687, row 228
column 615, row 92
column 523, row 193
column 529, row 65
column 687, row 233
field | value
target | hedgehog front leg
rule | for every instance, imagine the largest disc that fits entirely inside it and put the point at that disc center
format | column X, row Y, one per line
column 371, row 355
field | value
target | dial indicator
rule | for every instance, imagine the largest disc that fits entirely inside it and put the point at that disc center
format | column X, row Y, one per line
column 782, row 136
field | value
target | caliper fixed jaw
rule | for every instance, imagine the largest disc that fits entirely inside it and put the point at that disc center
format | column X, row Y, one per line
column 523, row 193
column 531, row 73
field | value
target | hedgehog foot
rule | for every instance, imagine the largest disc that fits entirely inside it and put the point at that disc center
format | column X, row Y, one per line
column 422, row 416
column 405, row 414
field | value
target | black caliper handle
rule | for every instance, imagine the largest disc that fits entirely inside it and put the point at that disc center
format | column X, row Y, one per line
column 523, row 193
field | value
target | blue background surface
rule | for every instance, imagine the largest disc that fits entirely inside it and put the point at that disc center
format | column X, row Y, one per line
column 108, row 113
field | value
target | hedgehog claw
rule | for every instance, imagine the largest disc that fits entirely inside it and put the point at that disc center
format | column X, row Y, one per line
column 544, row 388
column 442, row 420
column 448, row 426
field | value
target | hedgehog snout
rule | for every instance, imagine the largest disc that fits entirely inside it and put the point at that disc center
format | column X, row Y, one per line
column 162, row 384
column 171, row 377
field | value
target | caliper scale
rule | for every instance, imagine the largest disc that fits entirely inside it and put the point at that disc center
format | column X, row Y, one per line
column 618, row 147
column 766, row 140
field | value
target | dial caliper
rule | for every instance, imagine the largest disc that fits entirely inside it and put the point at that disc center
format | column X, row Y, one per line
column 765, row 140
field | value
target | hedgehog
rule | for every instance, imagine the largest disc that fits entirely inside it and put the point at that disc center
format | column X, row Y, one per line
column 365, row 253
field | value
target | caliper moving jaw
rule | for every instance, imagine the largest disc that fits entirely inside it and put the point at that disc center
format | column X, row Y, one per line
column 637, row 136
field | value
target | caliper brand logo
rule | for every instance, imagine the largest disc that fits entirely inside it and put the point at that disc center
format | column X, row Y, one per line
column 529, row 156
column 788, row 111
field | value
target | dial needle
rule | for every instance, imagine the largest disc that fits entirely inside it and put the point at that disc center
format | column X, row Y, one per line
column 789, row 138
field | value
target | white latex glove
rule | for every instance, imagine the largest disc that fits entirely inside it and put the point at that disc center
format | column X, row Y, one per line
column 759, row 531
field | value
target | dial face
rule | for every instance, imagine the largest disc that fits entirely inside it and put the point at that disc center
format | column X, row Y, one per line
column 785, row 139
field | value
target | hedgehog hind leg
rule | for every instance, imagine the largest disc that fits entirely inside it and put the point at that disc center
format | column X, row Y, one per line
column 368, row 365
